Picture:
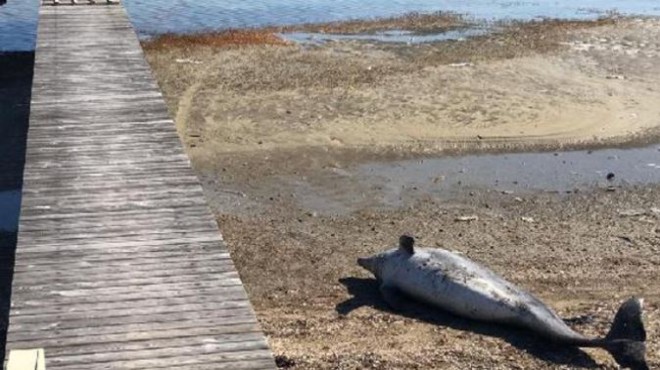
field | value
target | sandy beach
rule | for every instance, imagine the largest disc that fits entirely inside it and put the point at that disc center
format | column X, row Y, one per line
column 551, row 83
column 262, row 118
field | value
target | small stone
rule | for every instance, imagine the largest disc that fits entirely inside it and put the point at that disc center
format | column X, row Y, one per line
column 610, row 176
column 632, row 212
column 616, row 77
column 527, row 219
column 625, row 239
column 467, row 218
column 284, row 362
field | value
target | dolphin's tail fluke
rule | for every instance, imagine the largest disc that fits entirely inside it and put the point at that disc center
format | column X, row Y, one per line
column 625, row 341
column 628, row 322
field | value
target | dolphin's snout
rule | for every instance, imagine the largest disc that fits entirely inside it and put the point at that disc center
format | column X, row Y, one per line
column 369, row 263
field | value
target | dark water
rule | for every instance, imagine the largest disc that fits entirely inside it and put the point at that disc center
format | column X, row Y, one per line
column 18, row 18
column 15, row 92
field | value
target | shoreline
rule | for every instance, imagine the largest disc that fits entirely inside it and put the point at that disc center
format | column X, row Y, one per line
column 417, row 98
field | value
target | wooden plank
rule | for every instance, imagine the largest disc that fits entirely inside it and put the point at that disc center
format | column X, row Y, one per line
column 170, row 329
column 175, row 336
column 119, row 263
column 182, row 273
column 161, row 357
column 101, row 305
column 128, row 321
column 163, row 261
column 236, row 362
column 40, row 262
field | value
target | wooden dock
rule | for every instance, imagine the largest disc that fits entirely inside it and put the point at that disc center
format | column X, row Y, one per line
column 119, row 263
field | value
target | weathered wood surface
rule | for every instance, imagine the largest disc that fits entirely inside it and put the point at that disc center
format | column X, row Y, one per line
column 119, row 263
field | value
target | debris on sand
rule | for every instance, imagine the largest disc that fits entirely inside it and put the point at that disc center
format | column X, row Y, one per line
column 220, row 39
column 625, row 239
column 462, row 64
column 616, row 77
column 467, row 218
column 284, row 362
column 632, row 212
column 187, row 61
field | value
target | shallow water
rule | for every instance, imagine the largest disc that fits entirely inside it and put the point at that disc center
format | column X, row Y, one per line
column 156, row 16
column 517, row 173
column 18, row 27
column 399, row 183
column 18, row 18
column 396, row 36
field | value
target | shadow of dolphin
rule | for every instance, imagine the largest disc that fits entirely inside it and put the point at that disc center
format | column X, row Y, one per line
column 365, row 293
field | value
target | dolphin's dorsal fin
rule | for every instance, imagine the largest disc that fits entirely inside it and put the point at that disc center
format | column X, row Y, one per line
column 406, row 243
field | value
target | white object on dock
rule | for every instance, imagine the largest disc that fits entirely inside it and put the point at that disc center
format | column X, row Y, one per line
column 27, row 359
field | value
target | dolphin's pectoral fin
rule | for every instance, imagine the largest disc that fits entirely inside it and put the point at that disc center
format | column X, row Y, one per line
column 393, row 297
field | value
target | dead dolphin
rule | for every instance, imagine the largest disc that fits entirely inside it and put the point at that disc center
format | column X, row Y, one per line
column 456, row 284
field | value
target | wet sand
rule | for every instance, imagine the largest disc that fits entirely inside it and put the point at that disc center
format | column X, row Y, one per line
column 273, row 130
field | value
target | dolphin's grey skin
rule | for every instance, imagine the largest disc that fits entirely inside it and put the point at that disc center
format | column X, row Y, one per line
column 456, row 284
